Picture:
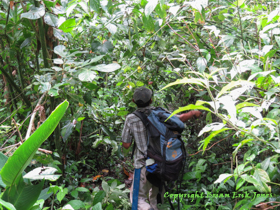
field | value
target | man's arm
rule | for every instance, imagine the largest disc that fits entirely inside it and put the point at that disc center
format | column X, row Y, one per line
column 126, row 135
column 126, row 145
column 186, row 116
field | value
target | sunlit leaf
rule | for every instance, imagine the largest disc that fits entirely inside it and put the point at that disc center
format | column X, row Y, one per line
column 222, row 177
column 229, row 105
column 107, row 68
column 70, row 9
column 211, row 127
column 256, row 111
column 60, row 50
column 213, row 29
column 201, row 64
column 235, row 84
column 60, row 35
column 149, row 8
column 112, row 28
column 227, row 40
column 185, row 81
column 272, row 15
column 51, row 19
column 34, row 13
column 42, row 173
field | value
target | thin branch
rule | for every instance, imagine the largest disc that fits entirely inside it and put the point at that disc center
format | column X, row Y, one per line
column 212, row 145
column 33, row 116
column 45, row 151
column 14, row 145
column 17, row 130
column 182, row 37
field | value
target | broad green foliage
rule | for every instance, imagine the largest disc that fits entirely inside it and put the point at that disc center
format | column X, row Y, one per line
column 220, row 57
column 17, row 192
column 23, row 155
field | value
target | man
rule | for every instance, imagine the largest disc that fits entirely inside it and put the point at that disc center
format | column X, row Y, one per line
column 142, row 97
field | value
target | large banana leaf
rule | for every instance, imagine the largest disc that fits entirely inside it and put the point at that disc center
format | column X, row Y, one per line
column 23, row 155
column 21, row 195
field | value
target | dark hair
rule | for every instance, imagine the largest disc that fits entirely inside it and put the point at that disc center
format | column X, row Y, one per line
column 141, row 104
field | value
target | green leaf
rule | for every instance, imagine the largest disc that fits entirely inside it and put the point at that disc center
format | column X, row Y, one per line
column 148, row 23
column 61, row 194
column 186, row 81
column 234, row 84
column 139, row 84
column 240, row 183
column 201, row 64
column 262, row 178
column 23, row 155
column 110, row 207
column 68, row 25
column 34, row 13
column 95, row 5
column 51, row 19
column 82, row 189
column 44, row 194
column 98, row 197
column 244, row 104
column 97, row 206
column 214, row 133
column 105, row 187
column 250, row 179
column 77, row 204
column 75, row 193
column 9, row 206
column 106, row 68
column 25, row 43
column 149, row 8
column 22, row 196
column 238, row 3
column 239, row 146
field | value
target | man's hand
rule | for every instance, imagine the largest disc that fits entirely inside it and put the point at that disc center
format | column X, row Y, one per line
column 197, row 113
column 126, row 145
column 186, row 116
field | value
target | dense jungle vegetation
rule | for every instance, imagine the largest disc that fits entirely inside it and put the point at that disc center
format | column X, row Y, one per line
column 68, row 70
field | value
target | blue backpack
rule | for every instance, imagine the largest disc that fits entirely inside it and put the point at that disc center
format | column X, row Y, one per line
column 165, row 147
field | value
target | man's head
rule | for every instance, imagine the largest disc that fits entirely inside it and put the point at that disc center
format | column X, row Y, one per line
column 142, row 96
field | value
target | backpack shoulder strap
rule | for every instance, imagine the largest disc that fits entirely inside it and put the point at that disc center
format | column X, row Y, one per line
column 142, row 117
